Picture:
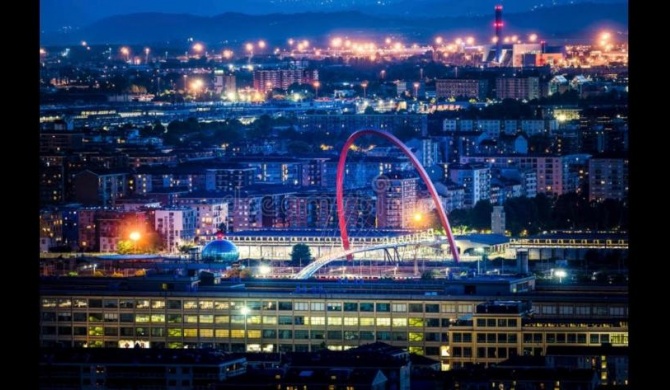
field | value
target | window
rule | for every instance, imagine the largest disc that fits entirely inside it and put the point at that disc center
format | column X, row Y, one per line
column 269, row 333
column 157, row 304
column 127, row 317
column 594, row 339
column 111, row 317
column 95, row 303
column 481, row 322
column 190, row 305
column 174, row 304
column 457, row 337
column 367, row 321
column 350, row 321
column 383, row 321
column 386, row 336
column 415, row 336
column 448, row 308
column 416, row 322
column 335, row 321
column 566, row 310
column 583, row 310
column 317, row 334
column 206, row 305
column 416, row 308
column 111, row 331
column 286, row 305
column 383, row 307
column 191, row 319
column 65, row 316
column 334, row 306
column 511, row 323
column 206, row 319
column 481, row 337
column 110, row 303
column 399, row 307
column 49, row 316
column 254, row 305
column 272, row 305
column 222, row 333
column 432, row 308
column 285, row 320
column 221, row 305
column 79, row 317
column 142, row 304
column 547, row 309
column 301, row 334
column 350, row 306
column 191, row 332
column 432, row 322
column 334, row 335
column 365, row 335
column 317, row 320
column 301, row 306
column 502, row 322
column 366, row 306
column 270, row 320
column 399, row 322
column 317, row 306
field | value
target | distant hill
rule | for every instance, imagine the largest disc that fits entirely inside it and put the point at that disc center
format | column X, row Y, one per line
column 568, row 21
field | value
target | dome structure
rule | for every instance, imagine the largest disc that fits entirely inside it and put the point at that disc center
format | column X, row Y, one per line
column 220, row 251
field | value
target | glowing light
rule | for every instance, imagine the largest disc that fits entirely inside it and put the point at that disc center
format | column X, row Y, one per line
column 261, row 44
column 336, row 42
column 135, row 236
column 249, row 46
column 470, row 40
column 532, row 37
column 438, row 40
column 227, row 54
column 198, row 47
column 264, row 270
column 291, row 41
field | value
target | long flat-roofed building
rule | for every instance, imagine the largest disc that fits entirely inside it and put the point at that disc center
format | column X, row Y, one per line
column 172, row 311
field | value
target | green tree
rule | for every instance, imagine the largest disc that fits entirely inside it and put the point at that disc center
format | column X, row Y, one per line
column 481, row 215
column 301, row 255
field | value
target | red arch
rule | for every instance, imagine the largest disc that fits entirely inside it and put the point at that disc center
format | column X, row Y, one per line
column 417, row 165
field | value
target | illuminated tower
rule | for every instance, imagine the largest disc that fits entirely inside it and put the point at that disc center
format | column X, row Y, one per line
column 498, row 24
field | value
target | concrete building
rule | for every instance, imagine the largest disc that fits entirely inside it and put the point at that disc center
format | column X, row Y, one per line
column 100, row 187
column 306, row 315
column 461, row 88
column 475, row 179
column 266, row 80
column 498, row 330
column 396, row 199
column 175, row 226
column 520, row 88
column 210, row 216
column 608, row 178
column 498, row 220
column 136, row 365
column 346, row 124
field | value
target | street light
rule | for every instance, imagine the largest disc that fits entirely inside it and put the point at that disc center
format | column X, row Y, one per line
column 416, row 90
column 317, row 84
column 245, row 311
column 126, row 52
column 135, row 236
column 364, row 84
column 561, row 274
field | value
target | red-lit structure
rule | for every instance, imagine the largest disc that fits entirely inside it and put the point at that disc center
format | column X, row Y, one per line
column 339, row 184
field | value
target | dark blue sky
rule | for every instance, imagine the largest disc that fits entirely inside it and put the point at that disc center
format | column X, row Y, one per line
column 78, row 13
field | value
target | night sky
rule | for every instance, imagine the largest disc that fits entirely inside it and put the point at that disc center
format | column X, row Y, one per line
column 77, row 13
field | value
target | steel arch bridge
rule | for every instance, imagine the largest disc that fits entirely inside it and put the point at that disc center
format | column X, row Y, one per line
column 310, row 269
column 346, row 246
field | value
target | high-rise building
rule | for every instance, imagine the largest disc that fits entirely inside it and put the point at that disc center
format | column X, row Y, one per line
column 608, row 178
column 396, row 199
column 498, row 220
column 521, row 88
